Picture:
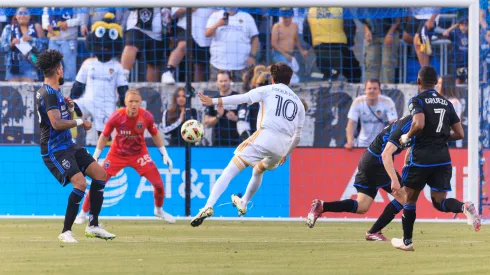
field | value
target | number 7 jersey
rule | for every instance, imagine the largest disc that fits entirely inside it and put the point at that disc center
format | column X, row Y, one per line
column 430, row 146
column 281, row 109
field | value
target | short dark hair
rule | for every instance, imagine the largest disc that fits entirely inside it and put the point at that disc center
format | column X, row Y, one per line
column 281, row 73
column 373, row 80
column 428, row 76
column 48, row 61
column 224, row 72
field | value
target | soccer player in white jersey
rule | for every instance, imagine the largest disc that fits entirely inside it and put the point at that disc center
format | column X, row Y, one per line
column 281, row 119
column 100, row 83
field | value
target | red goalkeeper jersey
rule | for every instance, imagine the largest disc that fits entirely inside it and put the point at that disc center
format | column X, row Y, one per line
column 129, row 138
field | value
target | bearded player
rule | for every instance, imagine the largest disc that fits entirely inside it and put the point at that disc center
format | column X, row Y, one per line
column 129, row 150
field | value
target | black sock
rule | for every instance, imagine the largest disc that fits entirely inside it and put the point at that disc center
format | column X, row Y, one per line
column 452, row 205
column 74, row 200
column 340, row 206
column 408, row 219
column 170, row 68
column 387, row 216
column 96, row 200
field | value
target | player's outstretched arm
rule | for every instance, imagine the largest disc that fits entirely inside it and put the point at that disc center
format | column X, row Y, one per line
column 60, row 124
column 387, row 157
column 158, row 141
column 227, row 100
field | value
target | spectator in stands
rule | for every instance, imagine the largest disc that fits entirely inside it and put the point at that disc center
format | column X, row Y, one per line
column 174, row 117
column 223, row 119
column 200, row 44
column 284, row 38
column 429, row 17
column 459, row 57
column 328, row 38
column 446, row 87
column 373, row 111
column 22, row 33
column 485, row 56
column 234, row 43
column 381, row 46
column 144, row 36
column 62, row 29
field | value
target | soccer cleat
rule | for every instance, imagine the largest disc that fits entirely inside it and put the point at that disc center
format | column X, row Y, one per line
column 377, row 237
column 67, row 237
column 163, row 215
column 202, row 215
column 472, row 215
column 316, row 212
column 82, row 217
column 399, row 244
column 237, row 201
column 168, row 78
column 98, row 232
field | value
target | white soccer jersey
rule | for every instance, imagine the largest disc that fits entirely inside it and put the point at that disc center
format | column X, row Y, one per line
column 373, row 118
column 101, row 81
column 281, row 109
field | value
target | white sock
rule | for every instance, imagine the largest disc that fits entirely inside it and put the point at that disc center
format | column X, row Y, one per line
column 252, row 187
column 220, row 186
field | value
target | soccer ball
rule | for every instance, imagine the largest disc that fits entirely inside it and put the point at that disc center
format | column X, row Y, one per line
column 192, row 131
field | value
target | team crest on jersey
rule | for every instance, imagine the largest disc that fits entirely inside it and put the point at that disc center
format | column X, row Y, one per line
column 106, row 164
column 139, row 126
column 111, row 70
column 66, row 164
column 145, row 15
column 240, row 21
column 434, row 94
column 378, row 113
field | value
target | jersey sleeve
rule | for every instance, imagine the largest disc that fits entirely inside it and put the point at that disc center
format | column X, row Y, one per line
column 213, row 19
column 252, row 30
column 391, row 111
column 415, row 106
column 301, row 117
column 121, row 79
column 453, row 116
column 150, row 124
column 50, row 101
column 398, row 129
column 110, row 124
column 354, row 111
column 257, row 94
column 82, row 73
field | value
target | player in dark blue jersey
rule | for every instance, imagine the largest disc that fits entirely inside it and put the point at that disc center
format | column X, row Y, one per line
column 67, row 161
column 434, row 124
column 372, row 175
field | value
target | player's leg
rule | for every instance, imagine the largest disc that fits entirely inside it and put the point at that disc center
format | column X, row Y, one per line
column 99, row 179
column 252, row 187
column 389, row 213
column 112, row 165
column 414, row 182
column 365, row 183
column 234, row 168
column 440, row 183
column 153, row 176
column 63, row 166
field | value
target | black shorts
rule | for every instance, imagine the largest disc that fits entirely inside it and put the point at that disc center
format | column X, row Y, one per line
column 64, row 164
column 372, row 176
column 200, row 55
column 437, row 177
column 153, row 50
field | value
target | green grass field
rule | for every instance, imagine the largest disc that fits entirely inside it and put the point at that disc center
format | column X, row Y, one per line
column 152, row 247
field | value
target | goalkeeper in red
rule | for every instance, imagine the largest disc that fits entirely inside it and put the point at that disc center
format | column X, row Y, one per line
column 129, row 150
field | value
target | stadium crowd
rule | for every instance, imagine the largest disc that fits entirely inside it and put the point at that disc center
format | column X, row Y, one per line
column 237, row 45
